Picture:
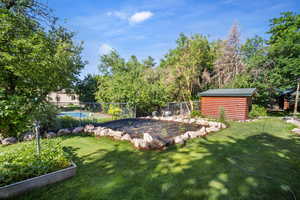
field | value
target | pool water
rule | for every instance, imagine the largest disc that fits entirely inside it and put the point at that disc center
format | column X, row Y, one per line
column 73, row 114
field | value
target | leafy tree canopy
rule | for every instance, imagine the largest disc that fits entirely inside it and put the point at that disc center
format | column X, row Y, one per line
column 285, row 49
column 33, row 62
column 186, row 68
column 132, row 82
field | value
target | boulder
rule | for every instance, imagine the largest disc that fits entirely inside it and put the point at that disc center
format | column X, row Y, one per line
column 223, row 125
column 213, row 124
column 212, row 129
column 154, row 114
column 50, row 135
column 296, row 130
column 193, row 134
column 167, row 113
column 193, row 120
column 147, row 137
column 104, row 132
column 202, row 131
column 205, row 123
column 117, row 135
column 28, row 136
column 97, row 131
column 89, row 128
column 185, row 121
column 186, row 135
column 126, row 137
column 154, row 142
column 199, row 121
column 178, row 140
column 139, row 143
column 157, row 144
column 64, row 131
column 78, row 130
column 9, row 141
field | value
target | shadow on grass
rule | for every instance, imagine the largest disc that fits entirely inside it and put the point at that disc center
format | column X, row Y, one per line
column 261, row 166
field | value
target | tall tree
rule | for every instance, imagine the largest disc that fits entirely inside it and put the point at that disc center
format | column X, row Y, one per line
column 187, row 67
column 86, row 88
column 284, row 49
column 130, row 82
column 33, row 62
column 228, row 63
column 31, row 9
column 258, row 70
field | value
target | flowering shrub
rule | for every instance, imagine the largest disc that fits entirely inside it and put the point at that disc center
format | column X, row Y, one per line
column 23, row 162
column 115, row 111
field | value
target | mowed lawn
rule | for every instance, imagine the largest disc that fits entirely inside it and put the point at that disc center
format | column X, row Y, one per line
column 255, row 160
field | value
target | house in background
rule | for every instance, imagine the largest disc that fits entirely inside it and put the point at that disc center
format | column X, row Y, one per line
column 63, row 98
column 287, row 99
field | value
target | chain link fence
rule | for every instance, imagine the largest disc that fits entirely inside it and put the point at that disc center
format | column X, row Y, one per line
column 178, row 108
column 79, row 114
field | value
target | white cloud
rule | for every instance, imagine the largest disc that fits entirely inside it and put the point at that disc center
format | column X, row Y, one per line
column 105, row 49
column 140, row 16
column 121, row 15
column 135, row 18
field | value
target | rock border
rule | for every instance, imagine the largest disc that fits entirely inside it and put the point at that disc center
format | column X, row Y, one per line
column 294, row 121
column 147, row 141
column 21, row 187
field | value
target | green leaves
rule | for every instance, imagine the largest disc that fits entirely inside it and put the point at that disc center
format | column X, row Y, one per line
column 133, row 82
column 285, row 48
column 22, row 162
column 33, row 62
column 184, row 66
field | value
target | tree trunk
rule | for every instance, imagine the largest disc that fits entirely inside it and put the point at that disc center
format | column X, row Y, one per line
column 192, row 105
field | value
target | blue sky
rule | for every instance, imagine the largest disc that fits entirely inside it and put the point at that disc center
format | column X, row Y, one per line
column 150, row 27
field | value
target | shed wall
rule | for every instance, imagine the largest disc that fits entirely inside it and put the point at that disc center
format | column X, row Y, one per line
column 236, row 108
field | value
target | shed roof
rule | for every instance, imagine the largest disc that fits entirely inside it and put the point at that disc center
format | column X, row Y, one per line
column 240, row 92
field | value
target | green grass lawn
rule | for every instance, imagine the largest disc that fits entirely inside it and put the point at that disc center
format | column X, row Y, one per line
column 255, row 160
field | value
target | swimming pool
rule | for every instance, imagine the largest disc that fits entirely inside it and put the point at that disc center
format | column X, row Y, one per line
column 74, row 114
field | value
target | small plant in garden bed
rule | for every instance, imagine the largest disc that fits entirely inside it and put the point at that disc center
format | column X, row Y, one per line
column 196, row 113
column 23, row 162
column 257, row 111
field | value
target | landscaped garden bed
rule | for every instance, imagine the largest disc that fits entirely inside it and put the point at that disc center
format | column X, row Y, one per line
column 157, row 132
column 23, row 168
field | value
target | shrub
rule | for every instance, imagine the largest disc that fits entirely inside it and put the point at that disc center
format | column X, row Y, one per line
column 22, row 162
column 195, row 113
column 257, row 110
column 115, row 111
column 66, row 122
column 46, row 114
column 70, row 122
column 16, row 119
column 13, row 119
column 222, row 116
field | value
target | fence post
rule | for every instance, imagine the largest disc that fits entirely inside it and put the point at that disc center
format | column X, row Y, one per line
column 37, row 137
column 181, row 109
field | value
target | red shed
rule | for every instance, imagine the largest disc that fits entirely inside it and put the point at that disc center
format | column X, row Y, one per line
column 235, row 102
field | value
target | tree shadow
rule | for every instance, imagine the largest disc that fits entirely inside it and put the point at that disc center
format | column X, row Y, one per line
column 261, row 166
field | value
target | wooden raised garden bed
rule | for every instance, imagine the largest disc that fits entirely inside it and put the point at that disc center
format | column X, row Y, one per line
column 21, row 187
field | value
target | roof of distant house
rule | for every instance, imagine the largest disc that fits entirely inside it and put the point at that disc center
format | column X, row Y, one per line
column 240, row 92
